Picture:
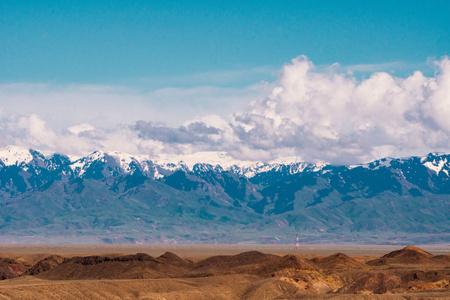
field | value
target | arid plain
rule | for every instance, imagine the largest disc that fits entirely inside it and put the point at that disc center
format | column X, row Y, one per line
column 224, row 272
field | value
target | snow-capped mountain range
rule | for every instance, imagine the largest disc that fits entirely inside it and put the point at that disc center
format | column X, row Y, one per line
column 201, row 161
column 109, row 196
column 127, row 163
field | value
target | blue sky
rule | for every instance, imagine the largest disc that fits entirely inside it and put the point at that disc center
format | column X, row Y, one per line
column 127, row 41
column 336, row 81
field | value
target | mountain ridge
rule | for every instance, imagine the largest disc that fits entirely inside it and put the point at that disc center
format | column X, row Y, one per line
column 115, row 197
column 14, row 155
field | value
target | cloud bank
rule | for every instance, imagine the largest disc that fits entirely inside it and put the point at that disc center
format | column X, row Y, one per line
column 316, row 115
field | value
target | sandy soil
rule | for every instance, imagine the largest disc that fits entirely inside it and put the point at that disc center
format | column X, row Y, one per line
column 220, row 287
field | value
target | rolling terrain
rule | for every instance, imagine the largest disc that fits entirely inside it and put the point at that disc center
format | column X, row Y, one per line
column 410, row 273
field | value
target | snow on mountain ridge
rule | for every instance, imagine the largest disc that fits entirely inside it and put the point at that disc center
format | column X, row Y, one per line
column 227, row 163
column 79, row 166
column 14, row 155
column 212, row 158
column 198, row 161
column 208, row 160
column 437, row 166
column 433, row 161
column 125, row 160
column 437, row 162
column 374, row 165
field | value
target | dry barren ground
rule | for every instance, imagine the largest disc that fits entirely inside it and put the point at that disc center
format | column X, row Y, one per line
column 223, row 272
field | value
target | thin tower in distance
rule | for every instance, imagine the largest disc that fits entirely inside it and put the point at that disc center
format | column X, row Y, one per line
column 297, row 243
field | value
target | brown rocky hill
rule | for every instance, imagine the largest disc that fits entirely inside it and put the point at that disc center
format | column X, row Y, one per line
column 10, row 268
column 370, row 283
column 223, row 263
column 337, row 261
column 407, row 255
column 140, row 265
column 45, row 264
column 410, row 252
column 443, row 259
column 172, row 259
column 249, row 275
column 290, row 262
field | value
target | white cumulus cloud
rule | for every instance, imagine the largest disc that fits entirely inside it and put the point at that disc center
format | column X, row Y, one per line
column 335, row 117
column 321, row 115
column 79, row 128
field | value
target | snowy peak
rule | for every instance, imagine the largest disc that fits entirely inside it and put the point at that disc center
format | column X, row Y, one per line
column 125, row 160
column 221, row 161
column 81, row 165
column 437, row 163
column 384, row 162
column 200, row 160
column 257, row 168
column 13, row 155
column 115, row 162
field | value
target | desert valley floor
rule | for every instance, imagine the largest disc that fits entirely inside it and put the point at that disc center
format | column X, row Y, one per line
column 224, row 272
